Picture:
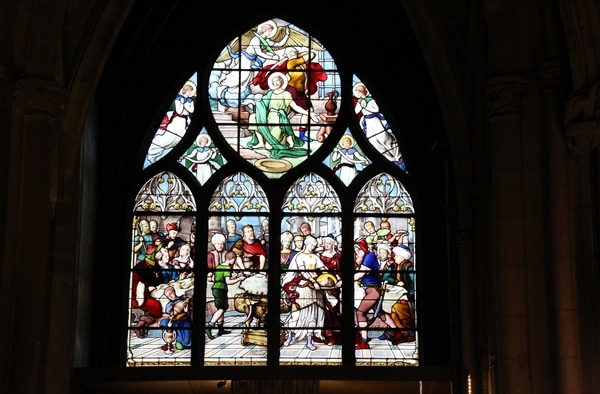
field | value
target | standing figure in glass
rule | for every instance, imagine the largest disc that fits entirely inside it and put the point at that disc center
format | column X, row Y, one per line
column 369, row 279
column 221, row 277
column 232, row 234
column 143, row 240
column 332, row 259
column 348, row 157
column 286, row 242
column 298, row 246
column 156, row 235
column 302, row 290
column 217, row 255
column 202, row 156
column 254, row 255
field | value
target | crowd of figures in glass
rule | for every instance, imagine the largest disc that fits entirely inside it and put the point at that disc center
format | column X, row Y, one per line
column 311, row 271
column 237, row 279
column 237, row 288
column 384, row 273
column 162, row 276
column 273, row 92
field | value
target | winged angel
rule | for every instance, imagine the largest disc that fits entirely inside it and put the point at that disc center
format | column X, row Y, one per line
column 260, row 47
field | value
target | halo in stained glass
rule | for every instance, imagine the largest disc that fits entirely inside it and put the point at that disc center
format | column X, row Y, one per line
column 174, row 123
column 273, row 93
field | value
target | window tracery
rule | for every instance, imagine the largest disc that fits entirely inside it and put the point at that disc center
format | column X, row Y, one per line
column 203, row 260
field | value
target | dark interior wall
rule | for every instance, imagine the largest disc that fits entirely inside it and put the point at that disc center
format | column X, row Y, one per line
column 526, row 231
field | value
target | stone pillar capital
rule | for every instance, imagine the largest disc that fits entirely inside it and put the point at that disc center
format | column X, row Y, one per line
column 551, row 74
column 41, row 96
column 504, row 95
column 582, row 121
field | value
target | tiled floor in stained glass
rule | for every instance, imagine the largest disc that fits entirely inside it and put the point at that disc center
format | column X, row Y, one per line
column 149, row 352
column 228, row 349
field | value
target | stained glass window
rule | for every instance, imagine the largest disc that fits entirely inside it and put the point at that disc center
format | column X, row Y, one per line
column 162, row 272
column 384, row 296
column 336, row 284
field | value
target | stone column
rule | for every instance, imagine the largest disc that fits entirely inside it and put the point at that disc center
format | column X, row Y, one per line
column 581, row 24
column 518, row 327
column 576, row 266
column 28, row 252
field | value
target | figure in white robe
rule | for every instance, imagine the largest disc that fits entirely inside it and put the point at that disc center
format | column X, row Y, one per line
column 302, row 290
column 374, row 124
column 174, row 124
column 203, row 158
column 350, row 160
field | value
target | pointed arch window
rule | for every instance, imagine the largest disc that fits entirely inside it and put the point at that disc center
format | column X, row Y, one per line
column 275, row 226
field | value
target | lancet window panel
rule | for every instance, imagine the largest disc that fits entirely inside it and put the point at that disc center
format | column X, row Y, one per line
column 162, row 281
